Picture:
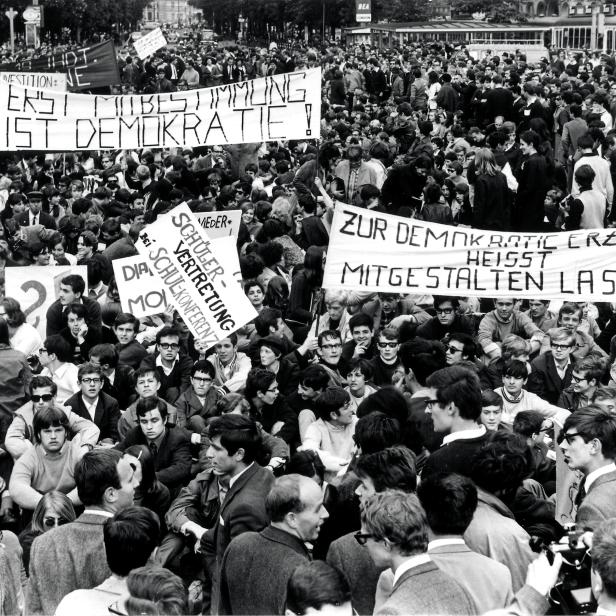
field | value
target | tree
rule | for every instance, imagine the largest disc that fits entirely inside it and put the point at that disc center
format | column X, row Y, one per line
column 92, row 16
column 501, row 12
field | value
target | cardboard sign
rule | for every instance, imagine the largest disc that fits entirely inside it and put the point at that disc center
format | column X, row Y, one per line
column 150, row 43
column 36, row 288
column 197, row 274
column 220, row 224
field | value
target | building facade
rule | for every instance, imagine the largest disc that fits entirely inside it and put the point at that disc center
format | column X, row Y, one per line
column 170, row 12
column 561, row 8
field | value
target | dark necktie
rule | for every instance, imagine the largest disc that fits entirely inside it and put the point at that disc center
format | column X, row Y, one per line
column 34, row 220
column 579, row 497
column 154, row 449
column 223, row 488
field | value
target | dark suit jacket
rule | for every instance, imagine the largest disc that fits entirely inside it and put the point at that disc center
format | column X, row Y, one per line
column 255, row 570
column 544, row 380
column 599, row 504
column 499, row 101
column 123, row 388
column 425, row 589
column 178, row 380
column 242, row 510
column 172, row 460
column 43, row 218
column 64, row 559
column 106, row 416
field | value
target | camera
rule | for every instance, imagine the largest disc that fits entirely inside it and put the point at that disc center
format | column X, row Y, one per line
column 572, row 592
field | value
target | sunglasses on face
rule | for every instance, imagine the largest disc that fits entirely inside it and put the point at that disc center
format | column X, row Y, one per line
column 387, row 345
column 166, row 346
column 44, row 398
column 51, row 522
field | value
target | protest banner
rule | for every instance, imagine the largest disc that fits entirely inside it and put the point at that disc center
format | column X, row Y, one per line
column 148, row 44
column 42, row 81
column 370, row 251
column 85, row 68
column 37, row 287
column 220, row 224
column 197, row 274
column 277, row 107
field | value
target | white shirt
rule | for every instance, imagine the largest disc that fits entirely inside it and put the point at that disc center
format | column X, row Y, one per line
column 413, row 561
column 65, row 377
column 236, row 477
column 111, row 377
column 464, row 434
column 592, row 477
column 562, row 371
column 31, row 218
column 27, row 340
column 94, row 601
column 167, row 371
column 439, row 543
column 103, row 512
column 91, row 407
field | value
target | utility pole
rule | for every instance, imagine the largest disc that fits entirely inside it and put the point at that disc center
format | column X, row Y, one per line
column 11, row 14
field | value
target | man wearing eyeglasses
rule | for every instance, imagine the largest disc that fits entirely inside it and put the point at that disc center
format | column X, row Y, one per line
column 94, row 404
column 551, row 371
column 447, row 320
column 198, row 402
column 329, row 351
column 20, row 435
column 394, row 530
column 589, row 445
column 586, row 376
column 172, row 367
column 455, row 406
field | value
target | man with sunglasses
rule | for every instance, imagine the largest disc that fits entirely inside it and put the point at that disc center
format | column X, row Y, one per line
column 173, row 367
column 447, row 321
column 20, row 435
column 387, row 361
column 588, row 443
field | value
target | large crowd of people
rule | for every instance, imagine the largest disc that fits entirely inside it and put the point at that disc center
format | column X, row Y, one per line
column 344, row 452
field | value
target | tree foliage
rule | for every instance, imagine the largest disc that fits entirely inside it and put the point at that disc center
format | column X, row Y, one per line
column 503, row 11
column 84, row 16
column 278, row 13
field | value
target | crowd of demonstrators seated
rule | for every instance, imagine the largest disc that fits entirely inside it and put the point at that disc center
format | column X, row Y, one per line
column 303, row 434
